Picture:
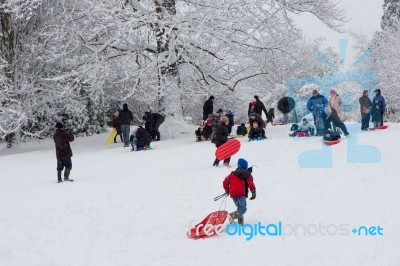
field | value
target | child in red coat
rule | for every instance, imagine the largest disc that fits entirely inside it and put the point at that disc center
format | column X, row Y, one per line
column 235, row 185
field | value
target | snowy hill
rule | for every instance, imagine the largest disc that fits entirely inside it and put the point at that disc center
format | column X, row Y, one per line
column 127, row 208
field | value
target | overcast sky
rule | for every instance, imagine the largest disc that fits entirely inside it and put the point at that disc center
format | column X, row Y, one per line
column 365, row 17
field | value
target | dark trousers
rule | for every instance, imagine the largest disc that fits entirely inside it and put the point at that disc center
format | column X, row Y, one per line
column 115, row 138
column 67, row 163
column 365, row 121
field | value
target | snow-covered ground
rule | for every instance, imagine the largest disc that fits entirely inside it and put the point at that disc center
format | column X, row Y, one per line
column 128, row 208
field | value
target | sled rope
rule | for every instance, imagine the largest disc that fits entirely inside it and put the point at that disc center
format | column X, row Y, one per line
column 223, row 201
column 220, row 196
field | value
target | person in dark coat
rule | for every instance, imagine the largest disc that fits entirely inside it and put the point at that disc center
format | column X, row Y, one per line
column 117, row 125
column 378, row 108
column 142, row 139
column 148, row 122
column 216, row 118
column 63, row 152
column 125, row 117
column 256, row 132
column 270, row 116
column 241, row 130
column 365, row 109
column 330, row 116
column 257, row 117
column 208, row 107
column 229, row 114
column 221, row 136
column 235, row 184
column 257, row 106
column 331, row 135
column 312, row 103
column 158, row 120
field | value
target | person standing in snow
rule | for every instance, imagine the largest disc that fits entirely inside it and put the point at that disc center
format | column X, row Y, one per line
column 158, row 120
column 365, row 109
column 270, row 116
column 221, row 136
column 126, row 117
column 335, row 102
column 235, row 185
column 63, row 152
column 312, row 103
column 229, row 114
column 378, row 108
column 208, row 107
column 257, row 106
column 117, row 125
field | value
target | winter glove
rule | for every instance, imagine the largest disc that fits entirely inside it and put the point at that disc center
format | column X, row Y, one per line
column 250, row 169
column 253, row 195
column 227, row 191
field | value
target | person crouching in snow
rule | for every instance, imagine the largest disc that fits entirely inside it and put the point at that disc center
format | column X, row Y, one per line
column 221, row 136
column 142, row 139
column 256, row 132
column 331, row 136
column 304, row 127
column 241, row 130
column 235, row 185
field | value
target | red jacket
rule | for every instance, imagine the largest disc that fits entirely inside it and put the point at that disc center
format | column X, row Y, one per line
column 236, row 182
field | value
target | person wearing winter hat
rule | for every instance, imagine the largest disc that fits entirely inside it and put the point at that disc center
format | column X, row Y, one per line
column 365, row 109
column 229, row 114
column 221, row 136
column 125, row 117
column 235, row 185
column 378, row 108
column 208, row 107
column 257, row 106
column 304, row 127
column 312, row 103
column 335, row 102
column 63, row 152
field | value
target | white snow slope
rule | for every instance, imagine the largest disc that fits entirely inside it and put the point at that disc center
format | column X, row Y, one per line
column 127, row 208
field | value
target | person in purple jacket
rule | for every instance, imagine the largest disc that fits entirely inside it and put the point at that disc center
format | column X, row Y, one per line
column 378, row 108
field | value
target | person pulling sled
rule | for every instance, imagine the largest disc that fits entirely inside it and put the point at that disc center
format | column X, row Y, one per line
column 235, row 186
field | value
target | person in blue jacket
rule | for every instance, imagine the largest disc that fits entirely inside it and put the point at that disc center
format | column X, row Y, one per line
column 378, row 108
column 312, row 103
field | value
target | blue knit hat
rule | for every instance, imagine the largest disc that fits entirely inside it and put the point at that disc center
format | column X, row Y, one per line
column 242, row 163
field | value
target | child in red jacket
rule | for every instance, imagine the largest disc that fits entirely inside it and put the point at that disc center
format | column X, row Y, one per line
column 235, row 185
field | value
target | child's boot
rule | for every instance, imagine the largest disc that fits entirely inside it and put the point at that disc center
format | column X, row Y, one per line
column 59, row 176
column 240, row 219
column 232, row 216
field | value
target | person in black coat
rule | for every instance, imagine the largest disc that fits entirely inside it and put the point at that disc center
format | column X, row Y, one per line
column 221, row 136
column 208, row 107
column 143, row 139
column 270, row 116
column 331, row 135
column 63, row 152
column 258, row 107
column 148, row 122
column 256, row 132
column 125, row 117
column 241, row 130
column 158, row 120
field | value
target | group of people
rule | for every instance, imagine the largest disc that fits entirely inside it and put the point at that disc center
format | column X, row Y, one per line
column 140, row 137
column 328, row 116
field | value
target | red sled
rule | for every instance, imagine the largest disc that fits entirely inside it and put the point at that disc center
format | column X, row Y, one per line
column 332, row 142
column 379, row 128
column 209, row 226
column 227, row 149
column 302, row 134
